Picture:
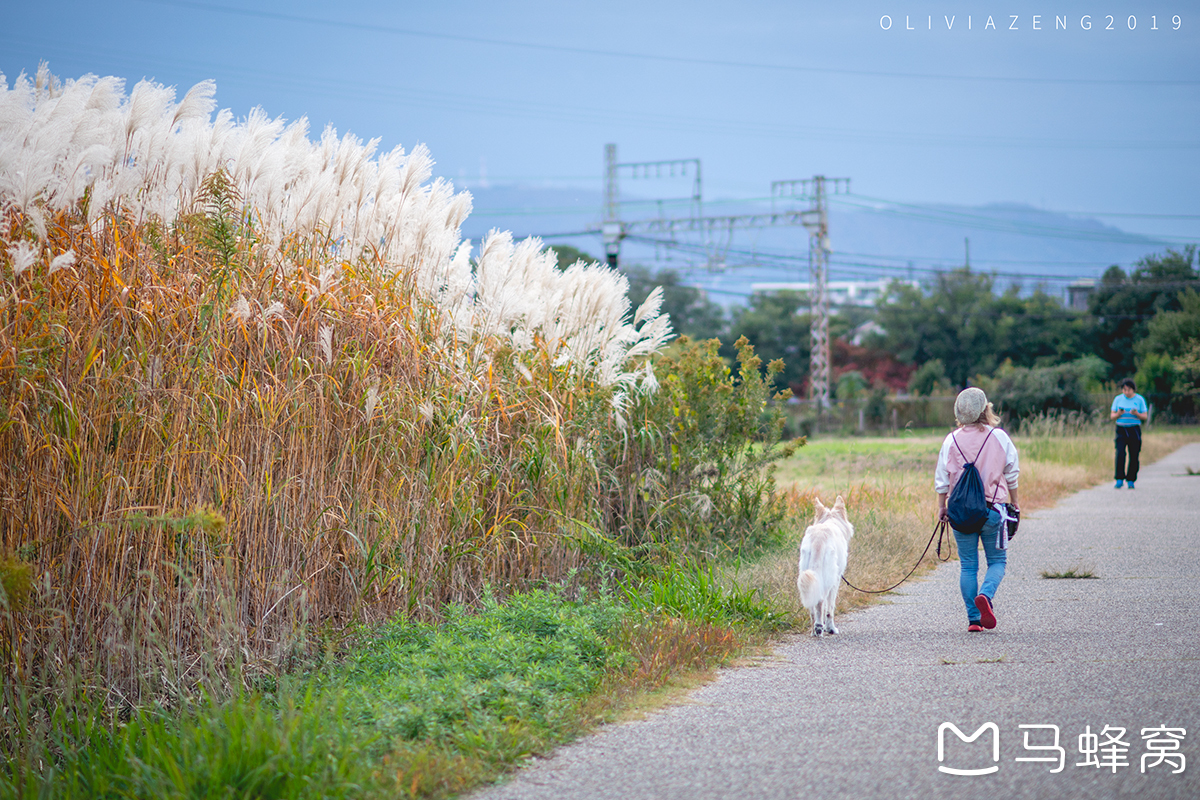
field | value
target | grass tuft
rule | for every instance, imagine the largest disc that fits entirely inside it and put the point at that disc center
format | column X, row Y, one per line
column 1073, row 572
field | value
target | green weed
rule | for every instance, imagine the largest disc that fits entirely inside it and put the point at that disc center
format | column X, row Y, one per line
column 700, row 593
column 244, row 746
column 1073, row 572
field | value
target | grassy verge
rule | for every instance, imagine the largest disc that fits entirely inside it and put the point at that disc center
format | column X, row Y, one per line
column 417, row 709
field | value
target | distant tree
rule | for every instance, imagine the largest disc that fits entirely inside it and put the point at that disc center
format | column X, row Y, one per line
column 850, row 385
column 692, row 313
column 1123, row 305
column 1021, row 392
column 1156, row 379
column 876, row 407
column 1174, row 265
column 954, row 323
column 1166, row 357
column 568, row 255
column 847, row 320
column 778, row 325
column 1173, row 332
column 877, row 366
column 1037, row 330
column 961, row 322
column 930, row 378
column 1187, row 383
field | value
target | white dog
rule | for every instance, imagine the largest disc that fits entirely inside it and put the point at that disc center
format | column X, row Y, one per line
column 823, row 554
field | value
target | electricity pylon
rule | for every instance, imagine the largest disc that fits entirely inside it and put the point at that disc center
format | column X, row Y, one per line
column 613, row 229
column 814, row 218
column 817, row 223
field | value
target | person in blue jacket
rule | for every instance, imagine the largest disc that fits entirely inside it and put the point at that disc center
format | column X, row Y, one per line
column 1129, row 410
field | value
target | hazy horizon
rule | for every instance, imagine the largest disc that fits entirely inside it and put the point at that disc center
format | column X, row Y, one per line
column 1085, row 122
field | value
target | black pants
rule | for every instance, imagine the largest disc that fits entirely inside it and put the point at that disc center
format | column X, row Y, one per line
column 1129, row 437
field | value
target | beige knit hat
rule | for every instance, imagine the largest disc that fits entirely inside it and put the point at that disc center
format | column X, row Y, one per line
column 969, row 405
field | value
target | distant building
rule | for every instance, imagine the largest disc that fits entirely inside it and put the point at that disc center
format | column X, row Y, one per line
column 1078, row 293
column 859, row 335
column 841, row 293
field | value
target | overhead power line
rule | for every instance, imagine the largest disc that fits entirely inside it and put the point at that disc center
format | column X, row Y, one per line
column 898, row 270
column 551, row 110
column 376, row 28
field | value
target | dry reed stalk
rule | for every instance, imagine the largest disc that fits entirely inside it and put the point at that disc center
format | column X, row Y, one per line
column 207, row 454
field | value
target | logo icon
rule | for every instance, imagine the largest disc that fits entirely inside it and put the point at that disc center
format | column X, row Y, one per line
column 987, row 726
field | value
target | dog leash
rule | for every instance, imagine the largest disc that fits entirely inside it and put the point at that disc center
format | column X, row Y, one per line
column 939, row 530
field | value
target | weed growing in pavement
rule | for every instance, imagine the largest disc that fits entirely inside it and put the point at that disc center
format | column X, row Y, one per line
column 1073, row 572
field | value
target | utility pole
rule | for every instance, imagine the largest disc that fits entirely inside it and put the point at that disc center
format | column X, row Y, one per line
column 816, row 220
column 818, row 263
column 613, row 229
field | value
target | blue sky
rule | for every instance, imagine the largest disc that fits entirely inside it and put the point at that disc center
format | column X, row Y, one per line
column 1098, row 122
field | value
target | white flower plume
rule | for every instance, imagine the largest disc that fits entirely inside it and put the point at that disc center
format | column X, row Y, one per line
column 23, row 257
column 146, row 155
column 61, row 261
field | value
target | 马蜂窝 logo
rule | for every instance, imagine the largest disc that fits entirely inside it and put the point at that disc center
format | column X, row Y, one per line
column 987, row 726
column 1109, row 749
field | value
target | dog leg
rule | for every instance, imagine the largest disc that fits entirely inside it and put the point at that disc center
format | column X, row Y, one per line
column 830, row 605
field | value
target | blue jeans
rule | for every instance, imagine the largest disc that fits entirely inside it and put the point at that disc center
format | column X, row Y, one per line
column 968, row 560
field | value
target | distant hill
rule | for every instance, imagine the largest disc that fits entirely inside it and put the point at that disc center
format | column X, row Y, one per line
column 870, row 240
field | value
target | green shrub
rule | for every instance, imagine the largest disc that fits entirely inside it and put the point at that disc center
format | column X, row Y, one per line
column 425, row 708
column 1021, row 392
column 692, row 467
column 850, row 385
column 244, row 746
column 876, row 407
column 929, row 379
column 1156, row 379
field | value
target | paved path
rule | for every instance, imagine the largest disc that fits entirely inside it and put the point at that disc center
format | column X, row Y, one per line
column 857, row 715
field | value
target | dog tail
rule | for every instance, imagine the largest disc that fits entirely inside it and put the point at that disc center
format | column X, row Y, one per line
column 810, row 589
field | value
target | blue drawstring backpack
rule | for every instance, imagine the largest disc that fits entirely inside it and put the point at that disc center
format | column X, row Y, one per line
column 967, row 506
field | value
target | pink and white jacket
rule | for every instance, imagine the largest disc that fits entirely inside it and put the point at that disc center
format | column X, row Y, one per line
column 997, row 463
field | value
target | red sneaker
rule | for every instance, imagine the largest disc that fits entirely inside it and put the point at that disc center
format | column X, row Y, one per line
column 987, row 618
column 974, row 627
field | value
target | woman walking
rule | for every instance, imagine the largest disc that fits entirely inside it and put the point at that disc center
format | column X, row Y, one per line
column 977, row 440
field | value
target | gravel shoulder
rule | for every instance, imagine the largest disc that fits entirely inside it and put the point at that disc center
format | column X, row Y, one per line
column 858, row 715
